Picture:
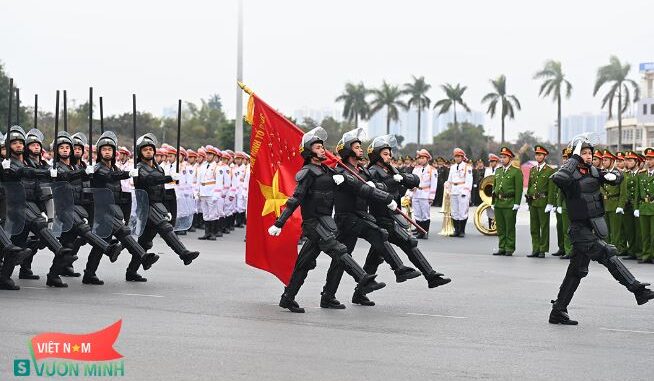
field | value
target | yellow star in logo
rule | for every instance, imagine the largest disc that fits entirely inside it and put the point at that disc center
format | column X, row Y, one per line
column 75, row 348
column 274, row 197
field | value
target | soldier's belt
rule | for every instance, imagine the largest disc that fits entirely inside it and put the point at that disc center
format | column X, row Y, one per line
column 208, row 183
column 611, row 196
column 505, row 196
column 425, row 188
column 647, row 200
column 539, row 196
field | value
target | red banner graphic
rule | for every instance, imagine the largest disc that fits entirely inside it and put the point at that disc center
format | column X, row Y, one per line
column 97, row 346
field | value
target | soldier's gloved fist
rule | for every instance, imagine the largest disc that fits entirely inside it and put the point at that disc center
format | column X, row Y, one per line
column 6, row 164
column 89, row 170
column 53, row 173
column 175, row 176
column 636, row 213
column 619, row 211
column 44, row 215
column 371, row 184
column 548, row 208
column 392, row 205
column 559, row 210
column 85, row 220
column 397, row 177
column 610, row 177
column 133, row 172
column 516, row 206
column 274, row 231
column 492, row 206
column 338, row 179
column 169, row 217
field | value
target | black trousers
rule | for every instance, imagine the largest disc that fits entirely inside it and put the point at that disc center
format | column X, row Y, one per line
column 321, row 236
column 352, row 226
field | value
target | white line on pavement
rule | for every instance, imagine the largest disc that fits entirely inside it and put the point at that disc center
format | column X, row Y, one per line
column 149, row 296
column 443, row 316
column 34, row 288
column 626, row 330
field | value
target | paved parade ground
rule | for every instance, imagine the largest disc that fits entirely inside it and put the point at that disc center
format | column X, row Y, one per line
column 218, row 319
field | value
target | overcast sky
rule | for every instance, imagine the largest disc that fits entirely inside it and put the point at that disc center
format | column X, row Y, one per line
column 300, row 53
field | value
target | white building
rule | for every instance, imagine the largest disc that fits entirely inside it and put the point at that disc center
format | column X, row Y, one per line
column 431, row 124
column 637, row 127
column 573, row 125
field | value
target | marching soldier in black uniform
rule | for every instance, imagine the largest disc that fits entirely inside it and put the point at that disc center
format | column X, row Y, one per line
column 107, row 175
column 68, row 170
column 381, row 171
column 580, row 181
column 353, row 221
column 151, row 178
column 30, row 175
column 315, row 191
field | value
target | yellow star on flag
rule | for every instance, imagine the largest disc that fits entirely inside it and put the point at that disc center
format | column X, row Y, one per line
column 274, row 197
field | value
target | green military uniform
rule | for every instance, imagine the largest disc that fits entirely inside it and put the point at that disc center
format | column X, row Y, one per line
column 627, row 201
column 541, row 192
column 507, row 191
column 611, row 194
column 562, row 220
column 645, row 207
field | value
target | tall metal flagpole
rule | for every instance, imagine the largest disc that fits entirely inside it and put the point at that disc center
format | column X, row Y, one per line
column 238, row 133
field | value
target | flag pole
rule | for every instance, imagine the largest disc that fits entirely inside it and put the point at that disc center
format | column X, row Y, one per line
column 338, row 161
column 238, row 121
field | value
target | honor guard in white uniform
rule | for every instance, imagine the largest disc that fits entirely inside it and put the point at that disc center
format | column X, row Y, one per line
column 459, row 182
column 423, row 196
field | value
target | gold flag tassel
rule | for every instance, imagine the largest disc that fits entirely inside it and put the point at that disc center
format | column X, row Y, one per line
column 249, row 116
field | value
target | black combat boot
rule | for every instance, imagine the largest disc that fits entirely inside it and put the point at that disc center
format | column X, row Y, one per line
column 330, row 301
column 358, row 298
column 289, row 303
column 178, row 247
column 436, row 279
column 559, row 315
column 90, row 278
column 53, row 280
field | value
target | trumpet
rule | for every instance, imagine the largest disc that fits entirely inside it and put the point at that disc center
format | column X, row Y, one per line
column 485, row 215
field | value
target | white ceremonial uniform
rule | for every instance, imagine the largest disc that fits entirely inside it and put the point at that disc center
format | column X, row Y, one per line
column 241, row 196
column 207, row 185
column 220, row 193
column 424, row 194
column 460, row 182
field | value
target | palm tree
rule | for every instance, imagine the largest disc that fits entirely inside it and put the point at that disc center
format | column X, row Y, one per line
column 615, row 74
column 417, row 91
column 553, row 85
column 388, row 96
column 507, row 102
column 453, row 96
column 356, row 107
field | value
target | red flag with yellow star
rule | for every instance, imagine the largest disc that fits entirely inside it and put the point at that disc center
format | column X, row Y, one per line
column 275, row 159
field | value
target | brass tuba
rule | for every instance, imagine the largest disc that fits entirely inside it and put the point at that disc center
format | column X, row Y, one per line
column 485, row 215
column 447, row 227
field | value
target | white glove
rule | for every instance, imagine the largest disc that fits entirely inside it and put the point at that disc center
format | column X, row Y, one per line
column 548, row 208
column 619, row 210
column 516, row 206
column 392, row 205
column 338, row 179
column 6, row 164
column 169, row 217
column 275, row 231
column 133, row 172
column 610, row 176
column 44, row 215
column 53, row 173
column 85, row 220
column 577, row 150
column 559, row 210
column 175, row 176
column 398, row 178
column 636, row 213
column 89, row 170
column 371, row 184
column 492, row 206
